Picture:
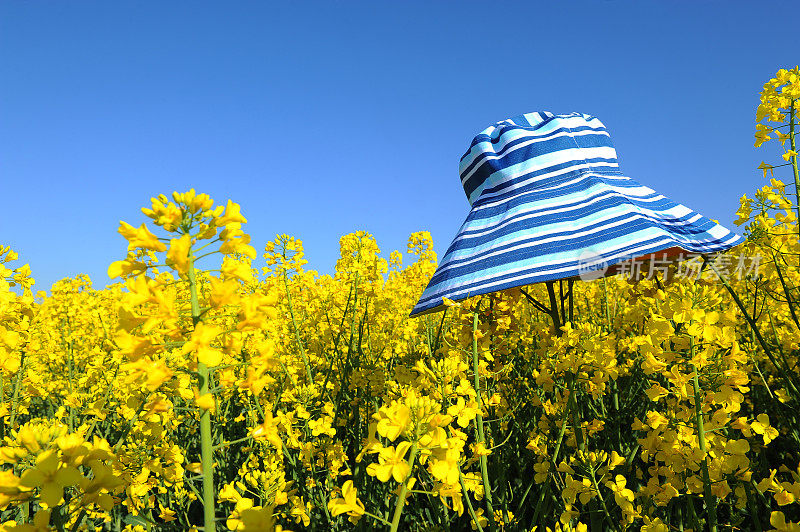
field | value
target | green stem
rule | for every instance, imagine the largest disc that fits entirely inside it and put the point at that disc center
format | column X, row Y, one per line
column 78, row 521
column 70, row 376
column 602, row 501
column 554, row 459
column 232, row 442
column 296, row 330
column 206, row 443
column 693, row 512
column 711, row 503
column 752, row 508
column 576, row 418
column 786, row 290
column 105, row 401
column 465, row 494
column 487, row 487
column 377, row 518
column 401, row 497
column 793, row 147
column 571, row 301
column 554, row 312
column 15, row 396
column 787, row 377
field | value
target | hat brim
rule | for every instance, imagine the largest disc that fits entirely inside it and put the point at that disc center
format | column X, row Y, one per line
column 564, row 230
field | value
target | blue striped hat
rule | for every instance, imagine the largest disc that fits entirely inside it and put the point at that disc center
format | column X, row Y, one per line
column 549, row 202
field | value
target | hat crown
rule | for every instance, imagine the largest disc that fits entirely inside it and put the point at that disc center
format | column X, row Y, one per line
column 513, row 152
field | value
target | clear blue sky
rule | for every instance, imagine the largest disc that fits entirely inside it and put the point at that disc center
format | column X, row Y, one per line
column 322, row 118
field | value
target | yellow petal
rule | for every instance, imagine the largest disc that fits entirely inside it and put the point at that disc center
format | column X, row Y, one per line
column 206, row 402
column 51, row 494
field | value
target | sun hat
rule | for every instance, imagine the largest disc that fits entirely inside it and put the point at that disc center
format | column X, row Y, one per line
column 549, row 202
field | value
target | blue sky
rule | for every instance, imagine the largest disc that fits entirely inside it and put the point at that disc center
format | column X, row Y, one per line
column 323, row 118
